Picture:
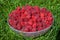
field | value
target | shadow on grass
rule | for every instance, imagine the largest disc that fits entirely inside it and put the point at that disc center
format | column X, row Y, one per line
column 58, row 35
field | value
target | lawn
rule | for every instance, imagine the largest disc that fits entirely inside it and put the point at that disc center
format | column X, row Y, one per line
column 6, row 6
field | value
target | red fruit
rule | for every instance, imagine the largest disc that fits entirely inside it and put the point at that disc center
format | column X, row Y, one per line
column 33, row 30
column 25, row 19
column 37, row 9
column 30, row 22
column 28, row 7
column 25, row 12
column 10, row 21
column 33, row 11
column 28, row 16
column 25, row 23
column 18, row 13
column 47, row 22
column 39, row 28
column 49, row 14
column 30, row 28
column 33, row 18
column 14, row 14
column 30, row 19
column 50, row 22
column 18, row 26
column 23, row 9
column 39, row 24
column 50, row 18
column 22, row 23
column 10, row 15
column 18, row 8
column 42, row 15
column 22, row 16
column 39, row 20
column 34, row 25
column 43, row 10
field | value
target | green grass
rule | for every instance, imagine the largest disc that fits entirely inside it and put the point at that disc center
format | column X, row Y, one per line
column 6, row 6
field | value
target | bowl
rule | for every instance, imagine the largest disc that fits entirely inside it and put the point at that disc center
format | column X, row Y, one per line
column 32, row 34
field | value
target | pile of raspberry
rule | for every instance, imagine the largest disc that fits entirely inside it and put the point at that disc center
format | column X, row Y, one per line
column 30, row 18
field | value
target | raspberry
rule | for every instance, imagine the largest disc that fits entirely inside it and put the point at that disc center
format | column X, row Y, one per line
column 30, row 22
column 34, row 25
column 18, row 8
column 39, row 28
column 33, row 30
column 18, row 26
column 28, row 7
column 23, row 9
column 44, row 10
column 30, row 18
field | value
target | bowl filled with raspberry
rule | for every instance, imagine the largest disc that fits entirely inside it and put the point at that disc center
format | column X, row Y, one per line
column 30, row 21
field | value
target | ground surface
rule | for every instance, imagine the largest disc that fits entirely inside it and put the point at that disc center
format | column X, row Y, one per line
column 6, row 6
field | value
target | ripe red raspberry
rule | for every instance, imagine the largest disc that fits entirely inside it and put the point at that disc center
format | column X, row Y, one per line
column 28, row 7
column 37, row 9
column 39, row 28
column 18, row 27
column 30, row 22
column 30, row 18
column 23, row 9
column 34, row 25
column 42, row 15
column 44, row 10
column 18, row 8
column 33, row 30
column 12, row 23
